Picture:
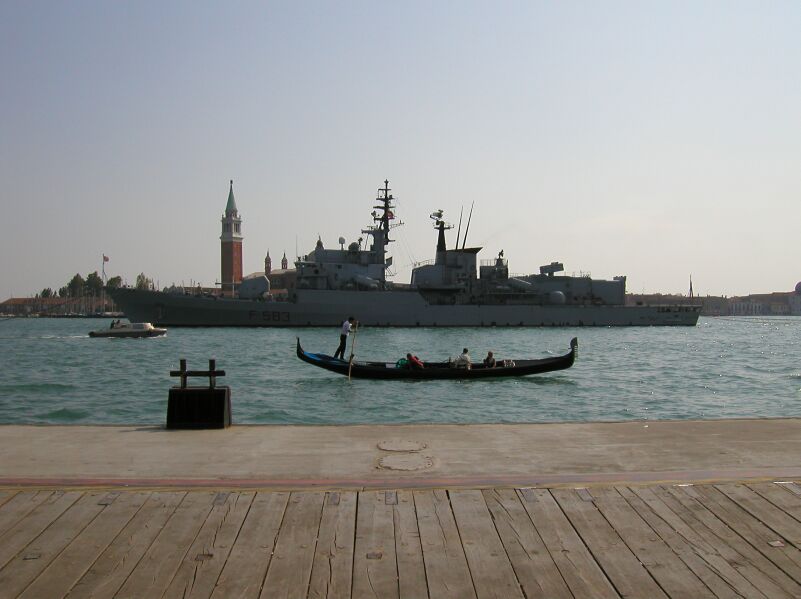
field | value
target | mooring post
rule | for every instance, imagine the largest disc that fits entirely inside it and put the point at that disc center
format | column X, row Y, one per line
column 199, row 407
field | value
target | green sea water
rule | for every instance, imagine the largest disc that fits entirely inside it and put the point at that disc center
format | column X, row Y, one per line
column 52, row 372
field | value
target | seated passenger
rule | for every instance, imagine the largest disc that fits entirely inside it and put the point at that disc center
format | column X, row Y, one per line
column 489, row 361
column 463, row 361
column 413, row 362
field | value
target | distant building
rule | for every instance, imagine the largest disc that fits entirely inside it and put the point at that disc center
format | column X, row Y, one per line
column 795, row 301
column 779, row 303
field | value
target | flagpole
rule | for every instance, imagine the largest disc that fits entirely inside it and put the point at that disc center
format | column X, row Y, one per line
column 103, row 260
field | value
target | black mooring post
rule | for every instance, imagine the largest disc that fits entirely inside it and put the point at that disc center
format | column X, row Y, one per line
column 199, row 407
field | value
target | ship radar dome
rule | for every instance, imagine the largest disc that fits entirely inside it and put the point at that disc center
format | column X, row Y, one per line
column 798, row 288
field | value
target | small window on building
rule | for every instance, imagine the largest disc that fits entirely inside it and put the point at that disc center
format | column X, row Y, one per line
column 226, row 227
column 236, row 227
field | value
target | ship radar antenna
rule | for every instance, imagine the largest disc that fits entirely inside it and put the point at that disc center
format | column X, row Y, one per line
column 440, row 225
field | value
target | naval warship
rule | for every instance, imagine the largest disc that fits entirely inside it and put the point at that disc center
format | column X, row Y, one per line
column 450, row 291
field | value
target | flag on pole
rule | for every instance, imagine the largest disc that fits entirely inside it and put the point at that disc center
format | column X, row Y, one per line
column 105, row 258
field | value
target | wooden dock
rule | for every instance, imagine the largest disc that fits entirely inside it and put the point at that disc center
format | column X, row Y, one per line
column 654, row 541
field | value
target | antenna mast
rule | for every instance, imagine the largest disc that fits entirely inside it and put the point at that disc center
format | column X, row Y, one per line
column 459, row 230
column 467, row 228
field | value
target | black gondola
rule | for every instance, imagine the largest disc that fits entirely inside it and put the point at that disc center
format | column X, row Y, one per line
column 438, row 370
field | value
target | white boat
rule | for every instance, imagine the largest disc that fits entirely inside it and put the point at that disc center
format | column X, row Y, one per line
column 129, row 329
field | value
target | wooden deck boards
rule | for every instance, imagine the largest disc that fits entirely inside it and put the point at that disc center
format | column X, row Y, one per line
column 715, row 541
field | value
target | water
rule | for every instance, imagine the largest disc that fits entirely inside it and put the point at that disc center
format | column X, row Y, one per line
column 52, row 372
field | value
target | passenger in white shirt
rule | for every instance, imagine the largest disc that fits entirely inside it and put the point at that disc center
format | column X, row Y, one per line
column 463, row 361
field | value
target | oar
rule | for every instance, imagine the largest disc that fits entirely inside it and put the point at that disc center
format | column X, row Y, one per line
column 352, row 351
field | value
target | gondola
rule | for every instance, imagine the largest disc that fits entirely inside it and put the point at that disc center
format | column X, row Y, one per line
column 438, row 370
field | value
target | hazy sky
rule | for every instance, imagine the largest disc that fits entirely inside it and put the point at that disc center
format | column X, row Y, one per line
column 651, row 139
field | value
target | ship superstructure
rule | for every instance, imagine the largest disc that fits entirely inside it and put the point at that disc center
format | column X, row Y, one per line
column 452, row 290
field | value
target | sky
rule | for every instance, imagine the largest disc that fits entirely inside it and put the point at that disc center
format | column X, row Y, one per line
column 651, row 139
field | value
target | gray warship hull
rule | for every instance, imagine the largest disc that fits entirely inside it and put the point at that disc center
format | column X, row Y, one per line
column 381, row 308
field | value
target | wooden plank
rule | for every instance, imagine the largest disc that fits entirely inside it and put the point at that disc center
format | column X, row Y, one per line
column 786, row 557
column 791, row 486
column 19, row 506
column 29, row 563
column 446, row 565
column 705, row 562
column 375, row 569
column 5, row 496
column 205, row 559
column 578, row 568
column 332, row 570
column 244, row 571
column 290, row 568
column 75, row 560
column 629, row 576
column 155, row 570
column 408, row 550
column 764, row 575
column 493, row 576
column 27, row 528
column 671, row 573
column 780, row 496
column 109, row 571
column 783, row 524
column 535, row 569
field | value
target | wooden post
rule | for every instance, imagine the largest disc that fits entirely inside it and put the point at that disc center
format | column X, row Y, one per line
column 183, row 373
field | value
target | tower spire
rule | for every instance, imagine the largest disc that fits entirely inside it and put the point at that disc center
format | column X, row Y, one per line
column 230, row 207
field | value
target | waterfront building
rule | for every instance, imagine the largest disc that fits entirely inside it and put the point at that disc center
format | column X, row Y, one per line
column 795, row 301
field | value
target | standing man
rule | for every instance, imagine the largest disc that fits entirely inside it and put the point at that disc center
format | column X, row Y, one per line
column 347, row 326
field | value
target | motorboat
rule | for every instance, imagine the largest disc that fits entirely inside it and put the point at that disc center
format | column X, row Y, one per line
column 125, row 330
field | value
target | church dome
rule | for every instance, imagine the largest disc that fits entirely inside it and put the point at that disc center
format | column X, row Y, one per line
column 798, row 288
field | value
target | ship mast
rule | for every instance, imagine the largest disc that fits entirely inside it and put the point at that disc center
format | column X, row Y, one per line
column 385, row 198
column 382, row 215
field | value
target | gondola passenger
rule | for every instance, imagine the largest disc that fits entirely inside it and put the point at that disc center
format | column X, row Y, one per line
column 489, row 361
column 463, row 360
column 413, row 362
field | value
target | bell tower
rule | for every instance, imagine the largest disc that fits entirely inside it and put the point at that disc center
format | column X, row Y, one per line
column 231, row 247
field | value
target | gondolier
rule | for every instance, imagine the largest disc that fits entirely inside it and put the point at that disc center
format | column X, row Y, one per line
column 347, row 327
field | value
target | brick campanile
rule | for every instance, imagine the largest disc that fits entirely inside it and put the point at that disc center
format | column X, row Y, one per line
column 231, row 247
